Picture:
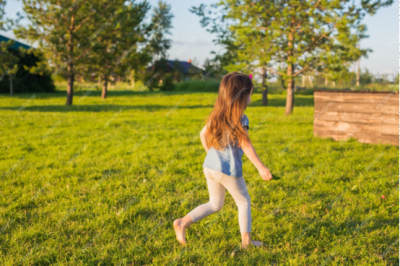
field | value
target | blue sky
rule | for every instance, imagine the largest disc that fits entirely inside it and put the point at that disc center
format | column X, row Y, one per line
column 191, row 41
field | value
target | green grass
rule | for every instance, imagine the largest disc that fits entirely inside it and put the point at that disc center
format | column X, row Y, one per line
column 100, row 182
column 211, row 85
column 208, row 85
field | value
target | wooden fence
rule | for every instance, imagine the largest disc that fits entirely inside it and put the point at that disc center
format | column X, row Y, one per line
column 369, row 117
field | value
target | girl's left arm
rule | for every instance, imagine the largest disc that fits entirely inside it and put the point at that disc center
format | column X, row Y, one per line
column 203, row 138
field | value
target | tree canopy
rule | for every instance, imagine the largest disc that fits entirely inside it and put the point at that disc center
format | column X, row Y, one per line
column 289, row 37
column 100, row 36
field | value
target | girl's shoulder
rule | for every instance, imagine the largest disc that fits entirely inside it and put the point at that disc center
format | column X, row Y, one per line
column 245, row 120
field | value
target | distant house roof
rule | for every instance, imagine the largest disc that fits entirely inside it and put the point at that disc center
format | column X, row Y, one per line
column 186, row 67
column 16, row 45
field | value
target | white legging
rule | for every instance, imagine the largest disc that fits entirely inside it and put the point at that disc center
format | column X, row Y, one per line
column 217, row 183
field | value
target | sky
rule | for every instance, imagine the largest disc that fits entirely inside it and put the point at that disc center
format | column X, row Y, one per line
column 191, row 41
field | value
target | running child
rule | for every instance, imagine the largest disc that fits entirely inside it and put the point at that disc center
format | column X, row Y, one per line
column 225, row 138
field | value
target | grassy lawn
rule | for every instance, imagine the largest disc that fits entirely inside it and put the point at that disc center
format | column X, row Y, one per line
column 100, row 182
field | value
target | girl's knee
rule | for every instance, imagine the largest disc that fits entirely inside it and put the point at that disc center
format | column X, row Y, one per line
column 215, row 206
column 245, row 201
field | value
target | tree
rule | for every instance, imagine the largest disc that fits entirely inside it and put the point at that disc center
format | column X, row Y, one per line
column 159, row 43
column 2, row 5
column 8, row 61
column 216, row 23
column 177, row 71
column 61, row 29
column 158, row 71
column 28, row 75
column 115, row 45
column 161, row 24
column 294, row 37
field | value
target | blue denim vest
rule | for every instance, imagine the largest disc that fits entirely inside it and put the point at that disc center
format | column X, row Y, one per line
column 228, row 161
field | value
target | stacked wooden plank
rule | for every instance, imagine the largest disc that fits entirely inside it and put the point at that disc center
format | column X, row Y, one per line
column 370, row 117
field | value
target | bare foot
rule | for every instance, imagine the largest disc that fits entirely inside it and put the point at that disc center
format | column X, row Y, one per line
column 179, row 231
column 253, row 243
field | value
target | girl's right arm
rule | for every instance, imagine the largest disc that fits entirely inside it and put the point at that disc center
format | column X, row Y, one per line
column 250, row 152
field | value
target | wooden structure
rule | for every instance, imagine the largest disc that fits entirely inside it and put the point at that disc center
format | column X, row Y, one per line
column 369, row 117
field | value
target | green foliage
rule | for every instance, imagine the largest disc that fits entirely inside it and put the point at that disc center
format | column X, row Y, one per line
column 151, row 80
column 121, row 52
column 289, row 37
column 26, row 75
column 213, row 69
column 8, row 60
column 155, row 73
column 2, row 12
column 63, row 31
column 28, row 83
column 318, row 37
column 168, row 83
column 198, row 85
column 86, row 37
column 100, row 184
column 5, row 23
column 381, row 79
column 366, row 77
column 177, row 71
column 161, row 23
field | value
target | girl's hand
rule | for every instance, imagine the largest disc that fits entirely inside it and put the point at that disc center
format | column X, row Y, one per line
column 265, row 174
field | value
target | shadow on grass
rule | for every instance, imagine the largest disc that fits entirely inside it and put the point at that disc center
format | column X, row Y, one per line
column 100, row 108
column 299, row 100
column 97, row 94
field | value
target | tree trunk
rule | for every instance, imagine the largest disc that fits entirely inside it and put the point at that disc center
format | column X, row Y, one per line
column 290, row 92
column 311, row 83
column 70, row 89
column 133, row 79
column 104, row 91
column 11, row 86
column 290, row 72
column 99, row 81
column 265, row 87
column 358, row 73
column 70, row 69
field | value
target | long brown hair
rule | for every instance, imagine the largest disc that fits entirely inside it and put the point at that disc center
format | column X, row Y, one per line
column 224, row 122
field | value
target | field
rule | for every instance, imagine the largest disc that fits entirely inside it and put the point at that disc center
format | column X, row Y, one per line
column 100, row 182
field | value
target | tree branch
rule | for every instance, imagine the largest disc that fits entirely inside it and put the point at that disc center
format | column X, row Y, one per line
column 317, row 3
column 304, row 68
column 84, row 53
column 273, row 70
column 83, row 22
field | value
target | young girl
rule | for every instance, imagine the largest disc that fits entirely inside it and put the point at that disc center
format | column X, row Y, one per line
column 225, row 138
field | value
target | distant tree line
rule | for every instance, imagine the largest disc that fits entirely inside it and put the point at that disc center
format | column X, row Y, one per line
column 91, row 39
column 288, row 38
column 285, row 39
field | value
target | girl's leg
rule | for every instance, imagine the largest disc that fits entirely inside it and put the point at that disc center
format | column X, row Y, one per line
column 238, row 189
column 216, row 202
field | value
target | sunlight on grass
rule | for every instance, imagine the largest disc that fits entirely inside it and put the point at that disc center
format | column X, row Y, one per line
column 100, row 182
